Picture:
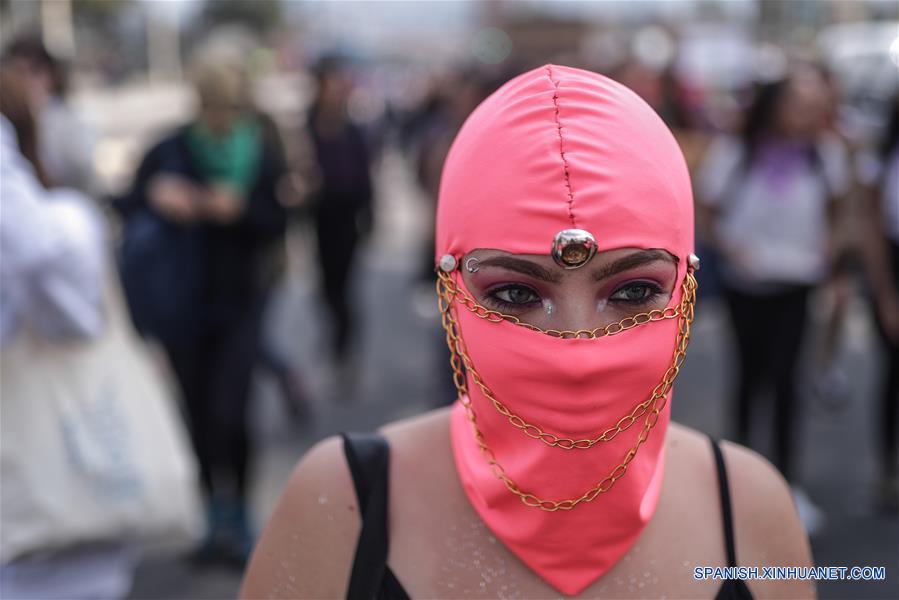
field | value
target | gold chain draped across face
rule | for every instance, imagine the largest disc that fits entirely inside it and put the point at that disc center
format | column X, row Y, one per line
column 449, row 292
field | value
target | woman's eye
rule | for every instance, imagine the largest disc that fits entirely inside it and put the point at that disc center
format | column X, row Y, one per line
column 636, row 293
column 512, row 296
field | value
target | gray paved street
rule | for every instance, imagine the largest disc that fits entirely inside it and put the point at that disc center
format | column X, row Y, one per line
column 400, row 349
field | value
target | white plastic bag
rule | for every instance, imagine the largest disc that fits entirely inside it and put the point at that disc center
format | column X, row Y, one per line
column 91, row 444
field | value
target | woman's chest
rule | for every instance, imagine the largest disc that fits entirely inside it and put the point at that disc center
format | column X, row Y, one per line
column 460, row 557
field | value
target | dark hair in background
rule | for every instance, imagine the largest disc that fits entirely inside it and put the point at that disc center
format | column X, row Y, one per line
column 891, row 131
column 761, row 116
column 14, row 105
column 760, row 120
column 31, row 50
column 327, row 66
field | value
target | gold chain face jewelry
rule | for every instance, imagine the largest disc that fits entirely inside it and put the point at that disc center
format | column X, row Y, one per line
column 657, row 401
column 448, row 291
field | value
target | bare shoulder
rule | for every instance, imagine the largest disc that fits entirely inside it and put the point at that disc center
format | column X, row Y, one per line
column 767, row 529
column 763, row 507
column 421, row 464
column 427, row 428
column 307, row 546
column 306, row 549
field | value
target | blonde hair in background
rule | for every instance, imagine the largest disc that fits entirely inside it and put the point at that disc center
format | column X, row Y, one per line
column 219, row 71
column 220, row 84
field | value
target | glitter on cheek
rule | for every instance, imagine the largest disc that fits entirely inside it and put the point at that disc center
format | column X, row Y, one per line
column 548, row 306
column 601, row 305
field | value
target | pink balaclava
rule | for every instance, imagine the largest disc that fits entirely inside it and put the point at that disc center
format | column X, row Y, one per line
column 557, row 149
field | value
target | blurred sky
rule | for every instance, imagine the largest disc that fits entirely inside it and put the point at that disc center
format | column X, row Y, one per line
column 348, row 15
column 174, row 11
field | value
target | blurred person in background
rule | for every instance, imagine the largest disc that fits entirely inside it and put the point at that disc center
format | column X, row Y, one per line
column 880, row 246
column 441, row 115
column 52, row 277
column 291, row 192
column 342, row 203
column 203, row 223
column 769, row 204
column 66, row 140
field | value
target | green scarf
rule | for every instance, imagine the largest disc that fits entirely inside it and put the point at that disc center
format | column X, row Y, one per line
column 232, row 159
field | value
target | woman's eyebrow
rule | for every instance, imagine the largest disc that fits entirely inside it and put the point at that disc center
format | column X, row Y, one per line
column 632, row 261
column 537, row 271
column 522, row 266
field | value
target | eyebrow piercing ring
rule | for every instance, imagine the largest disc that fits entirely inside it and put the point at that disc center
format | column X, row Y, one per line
column 471, row 265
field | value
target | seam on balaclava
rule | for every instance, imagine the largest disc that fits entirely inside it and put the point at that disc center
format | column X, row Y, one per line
column 555, row 83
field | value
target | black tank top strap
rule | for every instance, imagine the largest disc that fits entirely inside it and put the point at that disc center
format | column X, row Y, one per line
column 731, row 589
column 368, row 457
column 726, row 512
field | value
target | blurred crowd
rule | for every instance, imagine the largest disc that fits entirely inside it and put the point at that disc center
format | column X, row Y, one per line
column 795, row 209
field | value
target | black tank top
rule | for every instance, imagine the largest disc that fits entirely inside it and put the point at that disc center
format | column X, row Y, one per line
column 368, row 457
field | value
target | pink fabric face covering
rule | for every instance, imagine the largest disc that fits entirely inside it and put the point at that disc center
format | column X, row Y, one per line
column 555, row 149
